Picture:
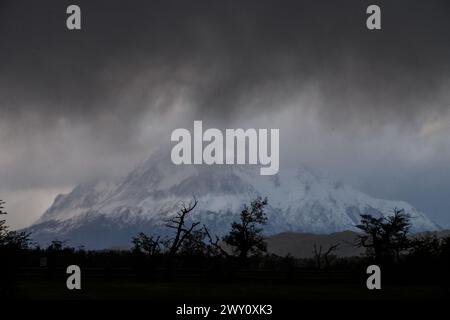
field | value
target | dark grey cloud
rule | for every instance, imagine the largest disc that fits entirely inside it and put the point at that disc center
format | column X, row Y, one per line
column 224, row 52
column 74, row 104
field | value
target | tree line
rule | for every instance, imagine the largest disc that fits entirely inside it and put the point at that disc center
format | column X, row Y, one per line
column 244, row 238
column 386, row 239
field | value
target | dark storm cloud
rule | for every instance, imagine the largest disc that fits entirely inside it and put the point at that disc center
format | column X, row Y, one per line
column 224, row 52
column 74, row 103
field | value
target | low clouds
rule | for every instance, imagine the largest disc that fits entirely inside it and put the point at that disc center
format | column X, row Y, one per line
column 372, row 107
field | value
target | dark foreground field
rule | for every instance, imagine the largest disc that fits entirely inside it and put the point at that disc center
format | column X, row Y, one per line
column 189, row 291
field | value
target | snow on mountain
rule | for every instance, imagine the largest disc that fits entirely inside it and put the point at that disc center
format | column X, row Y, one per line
column 100, row 214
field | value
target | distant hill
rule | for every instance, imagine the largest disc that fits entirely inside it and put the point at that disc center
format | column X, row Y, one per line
column 301, row 245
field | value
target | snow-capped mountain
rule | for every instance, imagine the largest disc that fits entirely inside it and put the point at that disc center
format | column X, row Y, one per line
column 101, row 214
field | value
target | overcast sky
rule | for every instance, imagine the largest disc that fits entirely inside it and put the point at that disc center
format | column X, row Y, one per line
column 370, row 107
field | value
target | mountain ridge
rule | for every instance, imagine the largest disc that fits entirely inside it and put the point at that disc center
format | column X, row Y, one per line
column 105, row 213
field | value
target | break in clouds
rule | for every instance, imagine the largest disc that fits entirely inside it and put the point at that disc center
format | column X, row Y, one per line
column 370, row 107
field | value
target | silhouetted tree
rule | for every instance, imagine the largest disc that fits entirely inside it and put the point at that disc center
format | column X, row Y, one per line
column 11, row 243
column 178, row 222
column 320, row 256
column 3, row 227
column 17, row 240
column 214, row 244
column 445, row 247
column 56, row 245
column 245, row 236
column 425, row 246
column 385, row 237
column 146, row 244
column 5, row 279
column 194, row 244
column 12, row 240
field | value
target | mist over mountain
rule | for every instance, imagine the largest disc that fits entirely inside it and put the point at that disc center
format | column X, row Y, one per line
column 100, row 214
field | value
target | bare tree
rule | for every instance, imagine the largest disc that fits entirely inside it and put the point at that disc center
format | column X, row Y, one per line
column 328, row 254
column 215, row 243
column 147, row 244
column 320, row 256
column 194, row 244
column 178, row 222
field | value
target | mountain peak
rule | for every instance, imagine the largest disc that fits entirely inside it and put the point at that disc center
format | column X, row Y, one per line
column 111, row 212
